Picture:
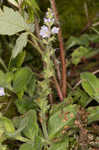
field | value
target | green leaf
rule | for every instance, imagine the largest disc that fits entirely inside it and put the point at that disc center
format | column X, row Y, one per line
column 91, row 85
column 63, row 145
column 93, row 114
column 8, row 125
column 5, row 79
column 11, row 22
column 81, row 97
column 21, row 42
column 31, row 130
column 25, row 105
column 21, row 79
column 73, row 41
column 27, row 147
column 31, row 86
column 63, row 117
column 17, row 61
column 78, row 54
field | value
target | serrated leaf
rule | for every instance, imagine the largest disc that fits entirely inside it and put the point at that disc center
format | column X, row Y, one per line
column 21, row 79
column 11, row 22
column 61, row 118
column 90, row 84
column 93, row 114
column 21, row 42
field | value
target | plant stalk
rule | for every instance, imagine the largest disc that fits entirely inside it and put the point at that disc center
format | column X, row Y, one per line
column 62, row 54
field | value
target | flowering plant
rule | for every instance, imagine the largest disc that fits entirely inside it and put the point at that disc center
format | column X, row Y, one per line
column 37, row 112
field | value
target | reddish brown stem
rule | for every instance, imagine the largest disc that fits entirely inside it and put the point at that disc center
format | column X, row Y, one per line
column 58, row 89
column 62, row 55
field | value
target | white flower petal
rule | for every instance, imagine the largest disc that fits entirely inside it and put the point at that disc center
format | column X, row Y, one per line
column 55, row 30
column 2, row 93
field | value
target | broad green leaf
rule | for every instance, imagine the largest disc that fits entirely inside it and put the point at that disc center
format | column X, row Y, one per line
column 63, row 145
column 93, row 114
column 63, row 117
column 90, row 83
column 11, row 22
column 31, row 130
column 21, row 42
column 78, row 54
column 21, row 79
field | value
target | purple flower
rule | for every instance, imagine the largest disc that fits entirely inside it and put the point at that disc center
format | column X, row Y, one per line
column 2, row 93
column 55, row 30
column 44, row 32
column 49, row 20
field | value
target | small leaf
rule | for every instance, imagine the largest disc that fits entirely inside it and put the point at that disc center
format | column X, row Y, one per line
column 21, row 42
column 91, row 85
column 11, row 22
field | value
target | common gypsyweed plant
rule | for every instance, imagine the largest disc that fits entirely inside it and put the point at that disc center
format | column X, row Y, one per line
column 42, row 124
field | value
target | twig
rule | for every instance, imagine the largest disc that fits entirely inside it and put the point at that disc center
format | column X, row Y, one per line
column 62, row 55
column 80, row 81
column 77, row 84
